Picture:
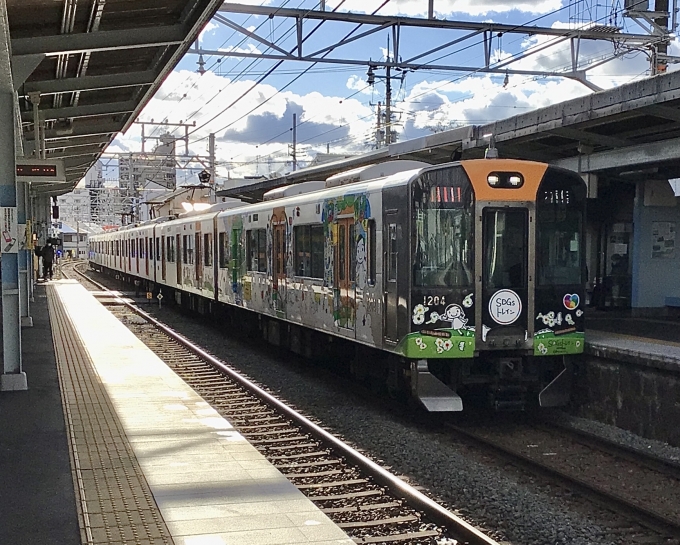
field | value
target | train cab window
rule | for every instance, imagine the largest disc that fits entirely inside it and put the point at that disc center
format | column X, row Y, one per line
column 505, row 247
column 223, row 250
column 256, row 242
column 560, row 210
column 308, row 244
column 188, row 249
column 207, row 249
column 443, row 237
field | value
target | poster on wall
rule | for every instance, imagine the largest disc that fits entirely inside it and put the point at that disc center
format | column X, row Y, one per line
column 663, row 239
column 9, row 230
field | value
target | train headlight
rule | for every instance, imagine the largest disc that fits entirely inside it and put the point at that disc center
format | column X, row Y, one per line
column 494, row 180
column 505, row 180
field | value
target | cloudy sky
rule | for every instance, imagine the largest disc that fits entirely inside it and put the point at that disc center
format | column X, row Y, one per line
column 250, row 107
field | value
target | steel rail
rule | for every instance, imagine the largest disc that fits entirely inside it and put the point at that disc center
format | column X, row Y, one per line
column 646, row 517
column 438, row 514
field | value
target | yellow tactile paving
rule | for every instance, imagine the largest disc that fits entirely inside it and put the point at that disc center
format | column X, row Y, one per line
column 115, row 505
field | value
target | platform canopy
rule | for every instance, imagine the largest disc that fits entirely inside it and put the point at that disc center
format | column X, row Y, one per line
column 94, row 64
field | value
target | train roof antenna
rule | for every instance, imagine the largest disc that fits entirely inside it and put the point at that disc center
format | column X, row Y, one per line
column 491, row 152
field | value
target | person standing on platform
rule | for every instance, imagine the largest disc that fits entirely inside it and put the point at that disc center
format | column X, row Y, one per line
column 48, row 260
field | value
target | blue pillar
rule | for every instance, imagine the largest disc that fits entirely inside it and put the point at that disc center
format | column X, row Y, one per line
column 12, row 378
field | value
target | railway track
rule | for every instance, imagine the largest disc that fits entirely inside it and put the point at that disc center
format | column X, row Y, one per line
column 625, row 512
column 364, row 499
column 642, row 488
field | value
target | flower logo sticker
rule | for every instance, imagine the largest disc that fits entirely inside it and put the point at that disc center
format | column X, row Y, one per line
column 420, row 343
column 443, row 345
column 542, row 349
column 571, row 301
column 419, row 314
column 467, row 302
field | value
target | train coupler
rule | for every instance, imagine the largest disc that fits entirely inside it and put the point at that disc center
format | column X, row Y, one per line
column 509, row 397
column 432, row 392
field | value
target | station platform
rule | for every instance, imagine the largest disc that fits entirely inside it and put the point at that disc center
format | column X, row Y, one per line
column 653, row 342
column 109, row 446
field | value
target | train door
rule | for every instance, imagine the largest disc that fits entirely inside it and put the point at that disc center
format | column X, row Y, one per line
column 236, row 258
column 505, row 255
column 162, row 258
column 279, row 264
column 178, row 258
column 147, row 247
column 345, row 271
column 390, row 275
column 198, row 259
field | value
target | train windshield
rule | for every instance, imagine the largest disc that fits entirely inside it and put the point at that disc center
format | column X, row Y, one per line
column 559, row 252
column 443, row 230
column 505, row 248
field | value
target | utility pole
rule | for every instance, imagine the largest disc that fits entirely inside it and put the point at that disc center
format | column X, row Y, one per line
column 294, row 142
column 659, row 60
column 211, row 152
column 388, row 106
column 185, row 138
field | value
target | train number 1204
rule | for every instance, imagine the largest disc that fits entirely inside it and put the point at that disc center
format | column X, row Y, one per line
column 430, row 300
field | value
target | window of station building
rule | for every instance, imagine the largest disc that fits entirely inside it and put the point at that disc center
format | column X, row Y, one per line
column 308, row 243
column 188, row 249
column 224, row 250
column 256, row 241
column 170, row 249
column 207, row 249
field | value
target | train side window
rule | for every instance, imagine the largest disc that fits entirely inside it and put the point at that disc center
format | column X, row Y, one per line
column 257, row 250
column 371, row 253
column 223, row 251
column 308, row 241
column 392, row 251
column 317, row 248
column 207, row 249
column 158, row 248
column 302, row 242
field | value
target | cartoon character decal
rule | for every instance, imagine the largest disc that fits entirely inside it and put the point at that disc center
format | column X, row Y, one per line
column 361, row 261
column 455, row 340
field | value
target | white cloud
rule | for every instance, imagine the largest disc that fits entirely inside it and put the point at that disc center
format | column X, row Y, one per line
column 243, row 135
column 414, row 8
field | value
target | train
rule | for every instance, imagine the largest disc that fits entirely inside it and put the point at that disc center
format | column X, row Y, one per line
column 447, row 284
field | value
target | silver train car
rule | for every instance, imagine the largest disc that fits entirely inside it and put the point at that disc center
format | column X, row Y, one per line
column 453, row 282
